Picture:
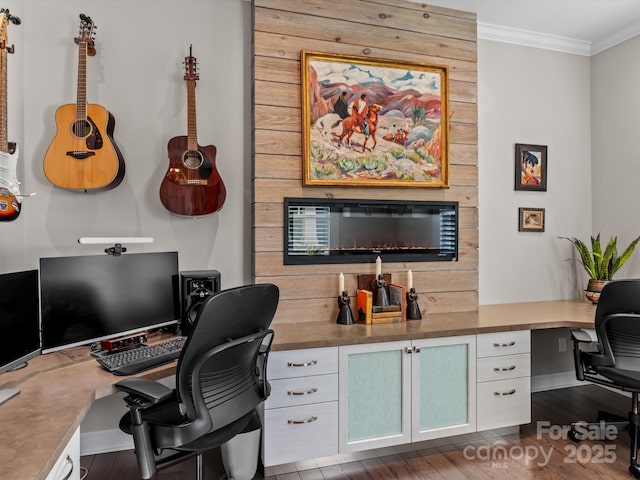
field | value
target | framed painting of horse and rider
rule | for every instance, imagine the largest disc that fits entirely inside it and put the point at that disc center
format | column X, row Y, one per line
column 373, row 122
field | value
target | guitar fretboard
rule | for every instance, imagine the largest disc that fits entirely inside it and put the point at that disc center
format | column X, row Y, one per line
column 81, row 99
column 4, row 141
column 192, row 132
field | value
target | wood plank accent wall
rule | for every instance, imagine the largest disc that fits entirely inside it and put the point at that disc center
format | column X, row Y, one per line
column 388, row 29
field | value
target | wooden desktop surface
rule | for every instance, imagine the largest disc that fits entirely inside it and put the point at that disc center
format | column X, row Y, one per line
column 57, row 389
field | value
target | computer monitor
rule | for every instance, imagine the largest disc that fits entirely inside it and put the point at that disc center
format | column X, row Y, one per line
column 19, row 322
column 89, row 298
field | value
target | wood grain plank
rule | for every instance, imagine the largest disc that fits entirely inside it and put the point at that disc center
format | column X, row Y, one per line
column 279, row 46
column 433, row 282
column 424, row 7
column 273, row 190
column 269, row 264
column 374, row 15
column 271, row 117
column 346, row 31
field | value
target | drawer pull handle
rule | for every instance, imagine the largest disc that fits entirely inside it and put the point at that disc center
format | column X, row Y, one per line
column 308, row 392
column 498, row 345
column 510, row 392
column 504, row 369
column 70, row 462
column 300, row 422
column 305, row 364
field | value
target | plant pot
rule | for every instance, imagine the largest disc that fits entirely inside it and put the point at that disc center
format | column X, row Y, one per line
column 594, row 287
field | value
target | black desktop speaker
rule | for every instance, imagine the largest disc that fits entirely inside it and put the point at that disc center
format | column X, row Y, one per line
column 196, row 286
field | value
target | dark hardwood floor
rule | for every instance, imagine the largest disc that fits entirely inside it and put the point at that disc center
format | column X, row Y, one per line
column 539, row 451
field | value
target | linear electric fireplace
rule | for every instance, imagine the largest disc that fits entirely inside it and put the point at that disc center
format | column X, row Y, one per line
column 358, row 231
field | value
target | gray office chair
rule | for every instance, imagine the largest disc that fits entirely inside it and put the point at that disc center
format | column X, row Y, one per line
column 614, row 356
column 220, row 381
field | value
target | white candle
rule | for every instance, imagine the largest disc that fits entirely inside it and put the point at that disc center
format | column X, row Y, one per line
column 409, row 279
column 378, row 267
column 340, row 284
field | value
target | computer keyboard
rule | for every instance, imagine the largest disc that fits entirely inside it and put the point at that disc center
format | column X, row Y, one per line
column 142, row 358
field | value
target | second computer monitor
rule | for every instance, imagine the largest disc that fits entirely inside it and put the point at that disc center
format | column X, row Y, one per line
column 90, row 298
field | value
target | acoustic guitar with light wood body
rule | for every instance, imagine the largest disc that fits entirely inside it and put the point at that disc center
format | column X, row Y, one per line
column 83, row 155
column 192, row 185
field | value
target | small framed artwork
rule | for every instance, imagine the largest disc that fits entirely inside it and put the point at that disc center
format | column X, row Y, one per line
column 530, row 219
column 531, row 167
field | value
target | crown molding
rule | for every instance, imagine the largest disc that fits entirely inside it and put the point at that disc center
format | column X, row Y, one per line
column 623, row 35
column 516, row 36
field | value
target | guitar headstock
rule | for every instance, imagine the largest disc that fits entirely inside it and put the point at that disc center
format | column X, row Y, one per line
column 191, row 67
column 86, row 34
column 5, row 18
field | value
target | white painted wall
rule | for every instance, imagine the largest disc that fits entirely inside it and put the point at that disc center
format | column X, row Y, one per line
column 137, row 75
column 532, row 96
column 615, row 100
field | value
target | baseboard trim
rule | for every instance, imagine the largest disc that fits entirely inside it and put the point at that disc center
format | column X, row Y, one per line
column 104, row 441
column 553, row 381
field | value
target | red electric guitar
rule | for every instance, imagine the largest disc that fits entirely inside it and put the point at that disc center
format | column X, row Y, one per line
column 10, row 197
column 192, row 185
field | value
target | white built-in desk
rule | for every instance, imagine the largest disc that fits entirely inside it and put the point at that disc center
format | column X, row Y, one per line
column 58, row 389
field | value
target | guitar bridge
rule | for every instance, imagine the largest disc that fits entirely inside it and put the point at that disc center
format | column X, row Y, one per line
column 80, row 155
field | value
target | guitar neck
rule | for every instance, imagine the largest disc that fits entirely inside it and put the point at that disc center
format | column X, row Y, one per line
column 192, row 131
column 4, row 140
column 81, row 99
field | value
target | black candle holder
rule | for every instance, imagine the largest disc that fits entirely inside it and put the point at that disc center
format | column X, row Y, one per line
column 345, row 316
column 413, row 310
column 380, row 295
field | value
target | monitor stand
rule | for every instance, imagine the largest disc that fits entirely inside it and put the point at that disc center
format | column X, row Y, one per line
column 7, row 393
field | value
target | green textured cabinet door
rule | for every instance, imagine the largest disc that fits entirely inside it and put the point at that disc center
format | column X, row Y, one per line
column 375, row 395
column 443, row 387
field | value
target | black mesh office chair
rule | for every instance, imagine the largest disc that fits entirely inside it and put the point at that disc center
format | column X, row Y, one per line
column 616, row 359
column 220, row 381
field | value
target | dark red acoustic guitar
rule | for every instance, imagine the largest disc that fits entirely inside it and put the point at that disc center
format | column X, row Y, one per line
column 192, row 185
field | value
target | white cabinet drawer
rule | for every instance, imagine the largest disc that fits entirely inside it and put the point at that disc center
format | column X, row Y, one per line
column 299, row 433
column 300, row 363
column 288, row 392
column 503, row 343
column 503, row 367
column 504, row 403
column 67, row 467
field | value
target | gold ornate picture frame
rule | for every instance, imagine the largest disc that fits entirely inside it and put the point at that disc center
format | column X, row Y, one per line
column 373, row 122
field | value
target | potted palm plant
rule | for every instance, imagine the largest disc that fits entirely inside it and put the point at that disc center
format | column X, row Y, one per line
column 601, row 266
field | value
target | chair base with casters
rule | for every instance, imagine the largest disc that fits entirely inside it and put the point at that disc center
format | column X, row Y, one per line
column 220, row 384
column 613, row 360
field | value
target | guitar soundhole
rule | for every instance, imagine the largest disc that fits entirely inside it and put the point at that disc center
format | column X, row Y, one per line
column 81, row 128
column 192, row 159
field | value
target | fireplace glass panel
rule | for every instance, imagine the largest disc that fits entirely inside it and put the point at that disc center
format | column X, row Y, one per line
column 354, row 231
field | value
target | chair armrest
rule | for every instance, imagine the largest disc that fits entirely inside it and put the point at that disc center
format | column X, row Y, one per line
column 583, row 335
column 144, row 390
